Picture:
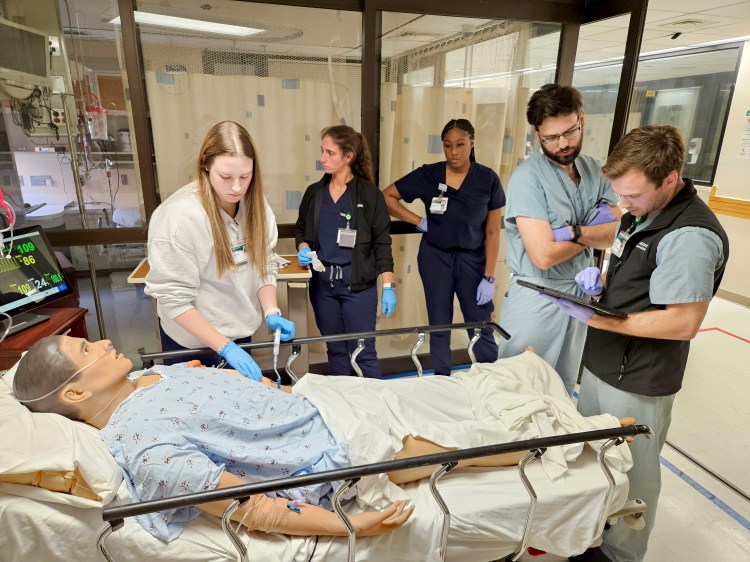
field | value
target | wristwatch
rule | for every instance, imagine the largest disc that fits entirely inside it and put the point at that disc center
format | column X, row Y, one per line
column 489, row 278
column 576, row 233
column 389, row 285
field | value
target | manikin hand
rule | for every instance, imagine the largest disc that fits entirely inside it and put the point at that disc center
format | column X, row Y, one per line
column 580, row 313
column 590, row 281
column 372, row 523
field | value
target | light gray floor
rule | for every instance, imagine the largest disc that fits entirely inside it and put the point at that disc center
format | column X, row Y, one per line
column 700, row 518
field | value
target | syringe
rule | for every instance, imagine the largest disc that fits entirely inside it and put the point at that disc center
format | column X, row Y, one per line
column 276, row 347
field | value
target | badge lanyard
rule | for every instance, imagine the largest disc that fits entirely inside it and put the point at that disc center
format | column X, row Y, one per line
column 440, row 203
column 347, row 237
column 568, row 194
column 623, row 236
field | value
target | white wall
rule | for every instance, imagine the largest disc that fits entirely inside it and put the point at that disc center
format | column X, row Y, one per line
column 732, row 180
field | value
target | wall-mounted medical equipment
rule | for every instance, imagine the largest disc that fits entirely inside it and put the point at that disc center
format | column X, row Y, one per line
column 24, row 59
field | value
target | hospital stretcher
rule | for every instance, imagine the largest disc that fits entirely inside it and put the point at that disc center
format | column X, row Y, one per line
column 114, row 516
column 468, row 515
column 446, row 461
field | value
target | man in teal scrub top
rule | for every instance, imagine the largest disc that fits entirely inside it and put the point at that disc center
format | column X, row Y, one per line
column 559, row 208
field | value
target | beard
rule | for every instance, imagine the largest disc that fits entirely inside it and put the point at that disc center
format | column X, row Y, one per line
column 566, row 159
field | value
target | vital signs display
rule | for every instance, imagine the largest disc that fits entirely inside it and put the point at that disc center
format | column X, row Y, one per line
column 30, row 275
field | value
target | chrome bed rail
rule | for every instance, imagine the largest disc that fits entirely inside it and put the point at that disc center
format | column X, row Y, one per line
column 114, row 516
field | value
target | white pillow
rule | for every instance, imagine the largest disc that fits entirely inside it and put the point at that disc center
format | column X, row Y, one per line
column 51, row 458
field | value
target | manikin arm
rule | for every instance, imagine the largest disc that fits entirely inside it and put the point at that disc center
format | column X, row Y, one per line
column 271, row 515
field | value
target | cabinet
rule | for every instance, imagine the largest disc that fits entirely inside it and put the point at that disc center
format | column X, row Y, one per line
column 71, row 321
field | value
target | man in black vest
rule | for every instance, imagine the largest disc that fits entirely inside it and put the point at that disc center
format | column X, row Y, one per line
column 667, row 261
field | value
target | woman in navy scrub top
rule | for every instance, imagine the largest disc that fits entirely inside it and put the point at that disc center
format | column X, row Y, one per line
column 344, row 219
column 461, row 240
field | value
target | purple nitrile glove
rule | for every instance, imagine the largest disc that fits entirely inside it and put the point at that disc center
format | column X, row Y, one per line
column 580, row 313
column 590, row 281
column 485, row 292
column 603, row 216
column 562, row 234
column 422, row 226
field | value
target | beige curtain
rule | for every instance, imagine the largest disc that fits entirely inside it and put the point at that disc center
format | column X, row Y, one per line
column 284, row 118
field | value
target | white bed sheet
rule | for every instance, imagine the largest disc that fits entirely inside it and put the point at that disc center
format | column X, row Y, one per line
column 488, row 508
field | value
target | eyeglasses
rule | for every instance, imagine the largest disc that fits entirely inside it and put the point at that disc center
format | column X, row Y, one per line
column 569, row 134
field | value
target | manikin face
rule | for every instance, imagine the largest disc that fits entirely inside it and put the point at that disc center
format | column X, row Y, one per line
column 557, row 147
column 457, row 147
column 230, row 178
column 333, row 160
column 641, row 197
column 102, row 365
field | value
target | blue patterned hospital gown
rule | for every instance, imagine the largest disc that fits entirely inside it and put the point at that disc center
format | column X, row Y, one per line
column 178, row 435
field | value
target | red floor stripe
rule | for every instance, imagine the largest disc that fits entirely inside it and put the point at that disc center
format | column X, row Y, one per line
column 724, row 332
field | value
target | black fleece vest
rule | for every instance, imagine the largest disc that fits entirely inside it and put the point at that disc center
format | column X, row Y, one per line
column 646, row 366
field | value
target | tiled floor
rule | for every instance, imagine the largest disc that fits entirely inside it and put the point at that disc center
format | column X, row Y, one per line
column 711, row 419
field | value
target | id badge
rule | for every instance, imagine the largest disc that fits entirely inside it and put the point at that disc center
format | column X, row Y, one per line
column 439, row 205
column 346, row 238
column 238, row 254
column 620, row 241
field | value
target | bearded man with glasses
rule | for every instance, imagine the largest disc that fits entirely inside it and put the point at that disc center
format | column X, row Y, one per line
column 559, row 208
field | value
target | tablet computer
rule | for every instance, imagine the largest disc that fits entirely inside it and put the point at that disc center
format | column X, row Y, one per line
column 592, row 304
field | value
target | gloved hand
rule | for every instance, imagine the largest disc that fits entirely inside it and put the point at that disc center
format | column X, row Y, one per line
column 422, row 226
column 562, row 234
column 580, row 313
column 304, row 256
column 604, row 215
column 274, row 321
column 389, row 301
column 590, row 281
column 485, row 292
column 240, row 360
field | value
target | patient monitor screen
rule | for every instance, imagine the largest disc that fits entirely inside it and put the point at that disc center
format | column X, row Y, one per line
column 29, row 273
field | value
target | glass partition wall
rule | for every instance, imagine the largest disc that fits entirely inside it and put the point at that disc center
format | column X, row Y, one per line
column 130, row 106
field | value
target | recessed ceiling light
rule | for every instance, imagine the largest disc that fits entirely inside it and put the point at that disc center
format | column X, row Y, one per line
column 146, row 18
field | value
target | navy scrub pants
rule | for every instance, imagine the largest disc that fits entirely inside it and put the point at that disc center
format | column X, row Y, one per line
column 338, row 310
column 443, row 274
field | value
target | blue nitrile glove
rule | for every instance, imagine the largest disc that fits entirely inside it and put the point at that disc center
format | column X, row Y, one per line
column 304, row 256
column 590, row 281
column 389, row 301
column 580, row 313
column 562, row 234
column 274, row 321
column 422, row 226
column 604, row 215
column 485, row 292
column 240, row 360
